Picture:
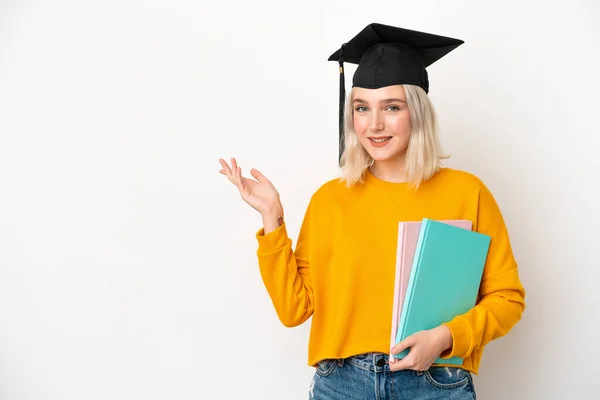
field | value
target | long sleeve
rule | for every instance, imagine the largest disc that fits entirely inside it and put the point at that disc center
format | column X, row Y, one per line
column 501, row 295
column 286, row 272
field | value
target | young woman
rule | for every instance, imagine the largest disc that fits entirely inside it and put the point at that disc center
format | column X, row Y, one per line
column 341, row 272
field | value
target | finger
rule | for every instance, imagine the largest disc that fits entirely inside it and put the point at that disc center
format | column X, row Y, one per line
column 224, row 165
column 225, row 170
column 234, row 171
column 404, row 363
column 391, row 359
column 258, row 175
column 404, row 344
column 239, row 175
column 240, row 180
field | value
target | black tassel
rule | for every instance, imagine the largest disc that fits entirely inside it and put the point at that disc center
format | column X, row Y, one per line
column 342, row 105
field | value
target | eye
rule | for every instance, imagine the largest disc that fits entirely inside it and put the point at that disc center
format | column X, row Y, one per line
column 360, row 109
column 393, row 108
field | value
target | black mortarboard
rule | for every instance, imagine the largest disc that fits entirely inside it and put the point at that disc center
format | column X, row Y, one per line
column 387, row 55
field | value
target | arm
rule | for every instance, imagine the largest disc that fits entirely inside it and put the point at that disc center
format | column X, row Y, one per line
column 501, row 294
column 285, row 272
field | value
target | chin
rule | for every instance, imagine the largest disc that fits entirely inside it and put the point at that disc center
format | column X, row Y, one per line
column 385, row 155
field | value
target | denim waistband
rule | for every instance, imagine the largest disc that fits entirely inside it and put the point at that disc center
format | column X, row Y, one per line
column 374, row 362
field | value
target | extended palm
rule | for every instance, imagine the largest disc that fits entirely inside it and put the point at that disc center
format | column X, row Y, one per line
column 260, row 194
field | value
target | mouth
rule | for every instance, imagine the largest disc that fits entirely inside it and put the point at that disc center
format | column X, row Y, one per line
column 380, row 139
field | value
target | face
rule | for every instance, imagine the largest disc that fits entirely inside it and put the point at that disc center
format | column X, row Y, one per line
column 382, row 121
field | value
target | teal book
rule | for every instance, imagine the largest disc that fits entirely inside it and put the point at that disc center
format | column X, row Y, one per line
column 444, row 279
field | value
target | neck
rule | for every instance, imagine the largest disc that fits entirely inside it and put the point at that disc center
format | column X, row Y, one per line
column 390, row 170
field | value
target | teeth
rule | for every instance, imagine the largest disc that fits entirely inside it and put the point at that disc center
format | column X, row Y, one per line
column 380, row 140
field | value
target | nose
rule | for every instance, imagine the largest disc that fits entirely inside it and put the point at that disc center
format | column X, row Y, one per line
column 376, row 122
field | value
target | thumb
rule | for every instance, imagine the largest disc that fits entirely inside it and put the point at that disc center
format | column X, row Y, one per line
column 259, row 177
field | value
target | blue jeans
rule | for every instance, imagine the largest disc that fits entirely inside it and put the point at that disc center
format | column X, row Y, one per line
column 368, row 377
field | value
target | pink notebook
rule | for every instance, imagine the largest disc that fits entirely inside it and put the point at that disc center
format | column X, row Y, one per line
column 408, row 235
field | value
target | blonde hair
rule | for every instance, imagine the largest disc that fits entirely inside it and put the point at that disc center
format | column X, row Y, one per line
column 424, row 152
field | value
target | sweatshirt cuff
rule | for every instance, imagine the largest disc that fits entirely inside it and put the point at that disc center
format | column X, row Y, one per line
column 273, row 240
column 461, row 338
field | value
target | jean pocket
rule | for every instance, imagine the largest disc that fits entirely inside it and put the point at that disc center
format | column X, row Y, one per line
column 326, row 367
column 447, row 377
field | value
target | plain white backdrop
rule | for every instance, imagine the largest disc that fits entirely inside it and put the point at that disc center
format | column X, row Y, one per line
column 127, row 263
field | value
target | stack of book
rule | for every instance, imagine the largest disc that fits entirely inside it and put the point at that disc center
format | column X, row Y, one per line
column 438, row 273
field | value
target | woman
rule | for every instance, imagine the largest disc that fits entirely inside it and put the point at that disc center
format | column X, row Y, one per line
column 342, row 270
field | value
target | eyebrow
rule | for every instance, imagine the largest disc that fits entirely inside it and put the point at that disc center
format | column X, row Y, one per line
column 392, row 100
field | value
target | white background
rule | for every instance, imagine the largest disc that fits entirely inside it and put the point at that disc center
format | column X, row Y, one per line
column 127, row 263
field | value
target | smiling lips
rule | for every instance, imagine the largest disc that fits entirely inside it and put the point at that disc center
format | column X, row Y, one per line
column 379, row 141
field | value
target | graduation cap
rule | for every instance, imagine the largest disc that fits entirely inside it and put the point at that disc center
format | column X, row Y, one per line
column 387, row 55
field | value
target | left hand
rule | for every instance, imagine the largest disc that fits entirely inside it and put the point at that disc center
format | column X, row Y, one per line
column 425, row 347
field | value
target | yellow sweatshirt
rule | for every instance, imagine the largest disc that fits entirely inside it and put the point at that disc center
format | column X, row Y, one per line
column 342, row 270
